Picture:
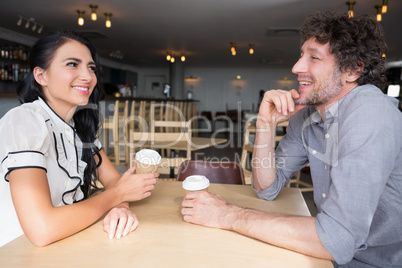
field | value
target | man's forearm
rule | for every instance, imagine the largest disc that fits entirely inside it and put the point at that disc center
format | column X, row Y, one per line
column 296, row 233
column 263, row 162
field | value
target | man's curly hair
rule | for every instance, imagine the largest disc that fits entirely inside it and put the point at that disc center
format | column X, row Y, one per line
column 355, row 42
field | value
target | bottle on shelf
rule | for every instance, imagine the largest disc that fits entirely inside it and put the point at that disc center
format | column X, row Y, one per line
column 6, row 51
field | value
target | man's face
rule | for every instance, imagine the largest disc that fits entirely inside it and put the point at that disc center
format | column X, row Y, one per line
column 320, row 80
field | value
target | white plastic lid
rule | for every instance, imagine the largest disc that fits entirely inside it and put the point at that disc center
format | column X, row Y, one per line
column 148, row 156
column 195, row 183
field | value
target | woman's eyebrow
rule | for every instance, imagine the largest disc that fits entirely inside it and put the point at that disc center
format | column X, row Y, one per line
column 78, row 60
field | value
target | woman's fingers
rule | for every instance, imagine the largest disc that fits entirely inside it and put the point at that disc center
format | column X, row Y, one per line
column 119, row 222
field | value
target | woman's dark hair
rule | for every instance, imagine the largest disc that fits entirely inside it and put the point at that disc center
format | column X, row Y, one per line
column 86, row 119
column 355, row 42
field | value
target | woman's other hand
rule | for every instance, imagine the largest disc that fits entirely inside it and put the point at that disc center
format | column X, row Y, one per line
column 119, row 221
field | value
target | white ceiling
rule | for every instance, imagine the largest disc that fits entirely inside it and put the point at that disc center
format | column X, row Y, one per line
column 143, row 30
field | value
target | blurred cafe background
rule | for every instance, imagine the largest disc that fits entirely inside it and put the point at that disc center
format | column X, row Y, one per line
column 213, row 60
column 221, row 53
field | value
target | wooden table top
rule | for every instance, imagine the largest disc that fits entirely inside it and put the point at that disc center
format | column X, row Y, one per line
column 163, row 239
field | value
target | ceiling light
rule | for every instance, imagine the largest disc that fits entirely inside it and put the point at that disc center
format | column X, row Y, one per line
column 183, row 58
column 30, row 21
column 350, row 5
column 379, row 10
column 27, row 24
column 285, row 79
column 108, row 22
column 168, row 56
column 80, row 17
column 251, row 49
column 93, row 12
column 40, row 29
column 172, row 59
column 19, row 22
column 384, row 6
column 116, row 54
column 233, row 48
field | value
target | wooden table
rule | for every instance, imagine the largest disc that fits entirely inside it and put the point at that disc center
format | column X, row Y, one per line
column 197, row 143
column 163, row 239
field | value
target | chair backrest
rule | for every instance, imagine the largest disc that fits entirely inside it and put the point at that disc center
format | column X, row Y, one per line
column 157, row 140
column 215, row 171
column 248, row 147
column 170, row 166
column 246, row 153
column 119, row 129
column 279, row 135
column 164, row 125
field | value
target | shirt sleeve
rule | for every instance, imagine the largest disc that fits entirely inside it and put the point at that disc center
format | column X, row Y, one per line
column 98, row 144
column 24, row 140
column 367, row 148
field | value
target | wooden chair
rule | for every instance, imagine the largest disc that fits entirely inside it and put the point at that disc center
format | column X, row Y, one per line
column 119, row 129
column 164, row 125
column 247, row 152
column 169, row 167
column 298, row 183
column 295, row 180
column 216, row 171
column 157, row 141
column 279, row 135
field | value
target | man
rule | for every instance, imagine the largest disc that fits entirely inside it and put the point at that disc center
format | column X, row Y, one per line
column 351, row 134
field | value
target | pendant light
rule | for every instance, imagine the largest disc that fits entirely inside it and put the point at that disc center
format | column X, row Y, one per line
column 80, row 17
column 108, row 22
column 384, row 6
column 350, row 5
column 94, row 17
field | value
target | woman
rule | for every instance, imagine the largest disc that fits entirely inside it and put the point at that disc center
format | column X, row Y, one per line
column 50, row 155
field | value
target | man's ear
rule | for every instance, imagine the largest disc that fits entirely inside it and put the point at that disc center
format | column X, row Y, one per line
column 354, row 74
column 39, row 75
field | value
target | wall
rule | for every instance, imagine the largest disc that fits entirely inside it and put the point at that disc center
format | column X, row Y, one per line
column 151, row 82
column 219, row 90
column 6, row 104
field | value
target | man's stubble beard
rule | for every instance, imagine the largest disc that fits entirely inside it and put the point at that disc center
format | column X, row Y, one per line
column 329, row 90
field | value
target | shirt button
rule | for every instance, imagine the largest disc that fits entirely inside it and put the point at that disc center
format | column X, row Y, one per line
column 327, row 136
column 324, row 195
column 314, row 151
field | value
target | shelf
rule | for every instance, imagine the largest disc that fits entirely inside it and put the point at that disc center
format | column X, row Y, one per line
column 5, row 95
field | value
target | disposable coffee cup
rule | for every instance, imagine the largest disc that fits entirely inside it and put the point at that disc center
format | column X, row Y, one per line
column 147, row 161
column 196, row 183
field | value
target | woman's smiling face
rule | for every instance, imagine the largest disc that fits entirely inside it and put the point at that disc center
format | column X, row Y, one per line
column 69, row 80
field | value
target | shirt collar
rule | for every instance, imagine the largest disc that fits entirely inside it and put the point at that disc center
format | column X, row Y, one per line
column 55, row 118
column 332, row 112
